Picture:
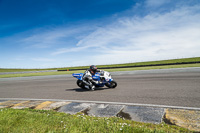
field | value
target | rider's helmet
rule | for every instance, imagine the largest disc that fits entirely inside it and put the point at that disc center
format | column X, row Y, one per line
column 93, row 69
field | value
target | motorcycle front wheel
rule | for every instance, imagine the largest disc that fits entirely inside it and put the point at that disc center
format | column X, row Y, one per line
column 112, row 84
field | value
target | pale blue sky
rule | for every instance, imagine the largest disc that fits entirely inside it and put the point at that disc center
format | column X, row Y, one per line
column 64, row 33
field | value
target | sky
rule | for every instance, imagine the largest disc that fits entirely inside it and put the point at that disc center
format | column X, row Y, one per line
column 66, row 33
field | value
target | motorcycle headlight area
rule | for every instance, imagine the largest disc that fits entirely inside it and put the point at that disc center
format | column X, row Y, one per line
column 102, row 73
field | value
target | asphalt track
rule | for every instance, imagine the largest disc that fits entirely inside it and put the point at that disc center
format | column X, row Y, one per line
column 170, row 87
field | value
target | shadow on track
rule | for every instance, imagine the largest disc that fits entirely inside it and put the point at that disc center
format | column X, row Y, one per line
column 85, row 90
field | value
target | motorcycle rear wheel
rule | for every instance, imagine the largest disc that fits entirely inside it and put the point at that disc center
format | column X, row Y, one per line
column 80, row 84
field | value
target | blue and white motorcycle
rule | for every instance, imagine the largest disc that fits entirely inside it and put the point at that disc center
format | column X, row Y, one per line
column 103, row 76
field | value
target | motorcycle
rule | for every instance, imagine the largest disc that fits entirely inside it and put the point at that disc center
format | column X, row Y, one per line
column 104, row 77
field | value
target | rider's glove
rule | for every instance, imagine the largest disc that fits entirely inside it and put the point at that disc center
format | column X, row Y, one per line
column 97, row 82
column 100, row 82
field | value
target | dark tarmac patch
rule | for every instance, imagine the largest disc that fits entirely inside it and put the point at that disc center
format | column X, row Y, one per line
column 143, row 114
column 104, row 110
column 73, row 108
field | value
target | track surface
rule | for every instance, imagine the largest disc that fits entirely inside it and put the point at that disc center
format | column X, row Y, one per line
column 175, row 87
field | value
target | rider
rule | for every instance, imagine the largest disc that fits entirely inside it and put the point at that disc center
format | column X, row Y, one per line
column 87, row 77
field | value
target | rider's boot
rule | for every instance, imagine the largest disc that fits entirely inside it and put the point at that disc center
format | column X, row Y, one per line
column 87, row 87
column 92, row 87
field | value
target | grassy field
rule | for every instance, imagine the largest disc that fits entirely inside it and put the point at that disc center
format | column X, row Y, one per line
column 184, row 60
column 40, row 121
column 109, row 70
column 22, row 70
column 197, row 59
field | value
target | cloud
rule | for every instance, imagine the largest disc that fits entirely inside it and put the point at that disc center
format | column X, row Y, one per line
column 43, row 40
column 52, row 37
column 173, row 34
column 156, row 3
column 43, row 59
column 130, row 37
column 67, row 50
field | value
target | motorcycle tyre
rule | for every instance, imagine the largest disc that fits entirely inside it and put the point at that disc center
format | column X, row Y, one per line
column 112, row 84
column 80, row 84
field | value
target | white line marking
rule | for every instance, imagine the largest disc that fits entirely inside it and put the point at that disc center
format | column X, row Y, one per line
column 103, row 102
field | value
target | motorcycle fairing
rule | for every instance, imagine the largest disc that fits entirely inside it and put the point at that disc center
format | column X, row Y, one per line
column 96, row 76
column 78, row 75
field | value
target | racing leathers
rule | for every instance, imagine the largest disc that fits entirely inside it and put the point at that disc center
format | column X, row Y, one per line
column 88, row 80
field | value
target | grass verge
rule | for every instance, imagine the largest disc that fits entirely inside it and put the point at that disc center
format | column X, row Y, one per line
column 40, row 121
column 109, row 70
column 175, row 61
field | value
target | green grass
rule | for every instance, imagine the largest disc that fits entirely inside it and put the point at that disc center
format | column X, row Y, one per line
column 154, row 67
column 184, row 60
column 38, row 74
column 22, row 70
column 110, row 70
column 197, row 59
column 39, row 121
